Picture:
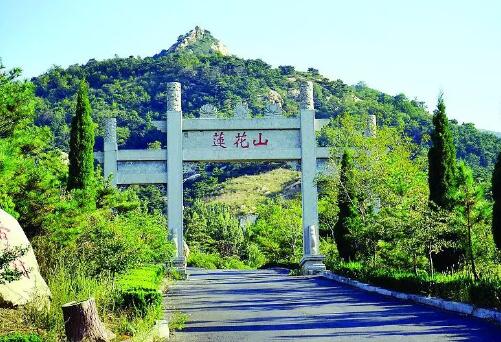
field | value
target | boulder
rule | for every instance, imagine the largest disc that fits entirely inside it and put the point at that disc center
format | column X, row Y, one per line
column 31, row 287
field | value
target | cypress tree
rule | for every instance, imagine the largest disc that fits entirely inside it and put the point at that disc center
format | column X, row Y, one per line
column 81, row 156
column 347, row 210
column 442, row 181
column 442, row 160
column 496, row 194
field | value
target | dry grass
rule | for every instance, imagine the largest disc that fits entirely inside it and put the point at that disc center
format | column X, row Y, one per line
column 13, row 320
column 246, row 192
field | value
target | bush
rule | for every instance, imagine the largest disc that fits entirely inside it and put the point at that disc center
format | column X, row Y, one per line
column 139, row 289
column 215, row 261
column 458, row 287
column 104, row 241
column 20, row 337
column 214, row 228
column 139, row 300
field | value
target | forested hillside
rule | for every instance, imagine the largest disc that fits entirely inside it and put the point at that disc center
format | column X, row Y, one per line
column 132, row 89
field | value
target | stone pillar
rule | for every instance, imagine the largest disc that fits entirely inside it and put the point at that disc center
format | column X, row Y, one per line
column 175, row 170
column 371, row 128
column 312, row 261
column 110, row 149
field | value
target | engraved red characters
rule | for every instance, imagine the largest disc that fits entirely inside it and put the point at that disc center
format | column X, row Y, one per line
column 241, row 140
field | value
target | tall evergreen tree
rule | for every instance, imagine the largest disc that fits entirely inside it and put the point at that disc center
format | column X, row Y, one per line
column 442, row 181
column 347, row 209
column 496, row 194
column 81, row 156
column 442, row 160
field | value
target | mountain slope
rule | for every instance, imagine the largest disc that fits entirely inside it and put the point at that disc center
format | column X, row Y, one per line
column 133, row 90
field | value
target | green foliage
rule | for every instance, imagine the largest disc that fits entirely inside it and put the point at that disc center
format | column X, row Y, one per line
column 108, row 243
column 496, row 195
column 7, row 272
column 212, row 261
column 458, row 287
column 17, row 102
column 347, row 199
column 178, row 320
column 80, row 248
column 213, row 228
column 442, row 160
column 442, row 178
column 21, row 337
column 386, row 183
column 277, row 233
column 138, row 289
column 81, row 155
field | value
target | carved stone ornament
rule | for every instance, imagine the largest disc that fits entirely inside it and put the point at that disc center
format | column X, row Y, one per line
column 173, row 94
column 306, row 96
column 314, row 245
column 110, row 130
column 273, row 109
column 241, row 110
column 208, row 111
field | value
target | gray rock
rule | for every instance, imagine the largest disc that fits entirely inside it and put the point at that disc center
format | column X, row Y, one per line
column 31, row 287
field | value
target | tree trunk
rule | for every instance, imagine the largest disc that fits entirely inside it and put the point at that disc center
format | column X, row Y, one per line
column 470, row 244
column 82, row 323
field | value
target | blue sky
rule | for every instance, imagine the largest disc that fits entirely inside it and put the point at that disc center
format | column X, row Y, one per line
column 417, row 48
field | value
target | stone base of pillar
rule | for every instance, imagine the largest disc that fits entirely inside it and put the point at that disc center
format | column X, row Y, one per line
column 312, row 264
column 180, row 265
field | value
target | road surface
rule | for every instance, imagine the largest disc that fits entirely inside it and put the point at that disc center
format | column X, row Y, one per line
column 269, row 305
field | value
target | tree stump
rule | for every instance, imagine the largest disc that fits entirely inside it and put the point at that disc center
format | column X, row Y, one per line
column 82, row 322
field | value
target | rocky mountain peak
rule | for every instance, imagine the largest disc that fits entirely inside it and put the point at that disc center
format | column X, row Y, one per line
column 198, row 41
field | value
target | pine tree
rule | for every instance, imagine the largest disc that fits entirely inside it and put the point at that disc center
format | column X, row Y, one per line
column 81, row 156
column 347, row 209
column 496, row 194
column 442, row 160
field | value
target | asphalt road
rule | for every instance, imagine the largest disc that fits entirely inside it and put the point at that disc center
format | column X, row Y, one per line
column 269, row 305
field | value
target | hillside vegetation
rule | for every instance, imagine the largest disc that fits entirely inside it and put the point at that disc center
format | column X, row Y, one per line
column 132, row 89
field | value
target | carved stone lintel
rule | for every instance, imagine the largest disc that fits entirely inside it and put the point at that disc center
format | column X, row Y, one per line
column 110, row 130
column 306, row 96
column 173, row 93
column 241, row 110
column 208, row 111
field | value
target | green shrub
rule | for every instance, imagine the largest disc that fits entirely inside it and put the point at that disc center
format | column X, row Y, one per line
column 139, row 290
column 204, row 260
column 256, row 258
column 20, row 337
column 234, row 263
column 458, row 286
column 214, row 261
column 139, row 301
column 103, row 241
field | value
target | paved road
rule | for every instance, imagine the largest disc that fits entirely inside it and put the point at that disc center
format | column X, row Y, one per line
column 268, row 305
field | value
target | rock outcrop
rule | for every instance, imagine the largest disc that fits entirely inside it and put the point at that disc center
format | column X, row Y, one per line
column 198, row 41
column 31, row 286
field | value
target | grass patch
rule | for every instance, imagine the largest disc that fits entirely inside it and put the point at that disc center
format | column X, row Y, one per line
column 21, row 337
column 245, row 193
column 178, row 320
column 128, row 305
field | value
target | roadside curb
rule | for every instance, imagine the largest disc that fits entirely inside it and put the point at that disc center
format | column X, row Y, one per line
column 466, row 309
